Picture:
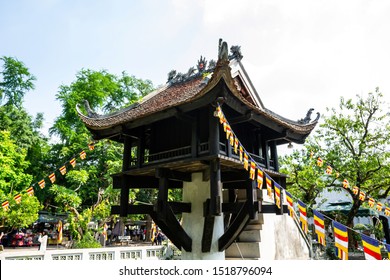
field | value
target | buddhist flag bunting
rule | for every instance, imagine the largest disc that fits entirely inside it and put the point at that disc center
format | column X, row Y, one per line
column 371, row 247
column 52, row 178
column 5, row 205
column 268, row 181
column 91, row 146
column 341, row 240
column 41, row 184
column 387, row 211
column 345, row 184
column 73, row 162
column 231, row 139
column 388, row 250
column 311, row 154
column 260, row 175
column 320, row 162
column 105, row 228
column 277, row 195
column 18, row 198
column 252, row 170
column 63, row 170
column 83, row 155
column 30, row 191
column 337, row 174
column 290, row 203
column 246, row 161
column 362, row 196
column 371, row 202
column 241, row 151
column 228, row 131
column 59, row 229
column 329, row 170
column 355, row 190
column 219, row 114
column 224, row 125
column 319, row 224
column 303, row 216
column 236, row 145
column 379, row 206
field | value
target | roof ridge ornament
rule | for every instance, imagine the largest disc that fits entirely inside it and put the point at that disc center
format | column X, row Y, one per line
column 223, row 50
column 236, row 53
column 307, row 119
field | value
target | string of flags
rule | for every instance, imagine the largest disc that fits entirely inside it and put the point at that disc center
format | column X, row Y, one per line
column 371, row 246
column 52, row 176
column 372, row 202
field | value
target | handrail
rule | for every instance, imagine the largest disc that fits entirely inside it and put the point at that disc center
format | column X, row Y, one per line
column 106, row 253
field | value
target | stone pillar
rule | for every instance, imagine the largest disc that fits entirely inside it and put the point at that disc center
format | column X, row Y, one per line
column 197, row 192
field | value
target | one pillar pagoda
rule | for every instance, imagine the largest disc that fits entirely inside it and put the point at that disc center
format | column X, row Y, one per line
column 173, row 139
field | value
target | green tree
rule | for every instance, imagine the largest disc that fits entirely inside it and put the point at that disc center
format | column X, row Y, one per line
column 14, row 180
column 15, row 82
column 354, row 140
column 91, row 180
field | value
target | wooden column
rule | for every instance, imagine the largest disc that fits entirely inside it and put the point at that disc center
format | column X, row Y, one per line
column 213, row 132
column 274, row 155
column 125, row 188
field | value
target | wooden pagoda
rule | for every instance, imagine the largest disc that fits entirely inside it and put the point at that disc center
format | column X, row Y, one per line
column 173, row 133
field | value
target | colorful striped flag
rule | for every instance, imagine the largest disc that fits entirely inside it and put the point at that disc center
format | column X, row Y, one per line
column 303, row 215
column 91, row 146
column 30, row 191
column 341, row 240
column 290, row 203
column 355, row 190
column 231, row 139
column 224, row 125
column 371, row 202
column 345, row 184
column 329, row 170
column 319, row 224
column 260, row 175
column 219, row 114
column 362, row 196
column 379, row 206
column 246, row 161
column 388, row 250
column 371, row 247
column 83, row 154
column 41, row 183
column 277, row 195
column 387, row 211
column 18, row 198
column 59, row 229
column 268, row 181
column 252, row 171
column 311, row 154
column 52, row 178
column 241, row 151
column 5, row 205
column 228, row 131
column 63, row 170
column 235, row 145
column 73, row 162
column 320, row 162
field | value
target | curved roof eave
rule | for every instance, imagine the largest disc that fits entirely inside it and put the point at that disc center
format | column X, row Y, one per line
column 184, row 93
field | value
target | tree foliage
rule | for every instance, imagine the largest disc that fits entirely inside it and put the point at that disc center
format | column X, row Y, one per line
column 15, row 81
column 354, row 140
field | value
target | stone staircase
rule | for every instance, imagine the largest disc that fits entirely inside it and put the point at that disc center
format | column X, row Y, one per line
column 247, row 245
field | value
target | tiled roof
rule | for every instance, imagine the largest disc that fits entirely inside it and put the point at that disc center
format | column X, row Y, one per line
column 184, row 92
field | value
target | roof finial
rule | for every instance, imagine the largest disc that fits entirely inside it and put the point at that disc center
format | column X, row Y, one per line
column 223, row 50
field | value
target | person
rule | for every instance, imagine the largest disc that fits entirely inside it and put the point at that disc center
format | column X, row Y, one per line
column 42, row 239
column 159, row 238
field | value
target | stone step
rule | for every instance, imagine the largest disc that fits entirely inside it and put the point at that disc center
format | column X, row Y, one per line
column 249, row 236
column 243, row 250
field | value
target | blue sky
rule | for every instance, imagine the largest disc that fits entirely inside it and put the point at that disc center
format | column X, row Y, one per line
column 299, row 54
